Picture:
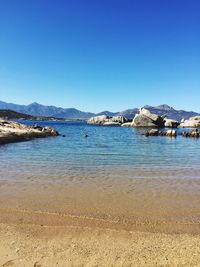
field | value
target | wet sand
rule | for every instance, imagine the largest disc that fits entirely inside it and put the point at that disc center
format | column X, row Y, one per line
column 127, row 222
column 133, row 204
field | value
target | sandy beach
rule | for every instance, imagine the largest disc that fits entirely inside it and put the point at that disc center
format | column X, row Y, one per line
column 102, row 216
column 34, row 245
column 59, row 225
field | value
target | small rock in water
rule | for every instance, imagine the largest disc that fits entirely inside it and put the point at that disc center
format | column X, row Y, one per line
column 192, row 133
column 152, row 132
column 171, row 133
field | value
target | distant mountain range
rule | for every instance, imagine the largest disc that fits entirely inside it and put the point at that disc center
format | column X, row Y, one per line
column 36, row 109
column 14, row 115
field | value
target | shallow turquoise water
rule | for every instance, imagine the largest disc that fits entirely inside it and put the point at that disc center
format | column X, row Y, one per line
column 107, row 152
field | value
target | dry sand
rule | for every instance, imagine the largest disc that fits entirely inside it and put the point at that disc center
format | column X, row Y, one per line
column 59, row 225
column 32, row 245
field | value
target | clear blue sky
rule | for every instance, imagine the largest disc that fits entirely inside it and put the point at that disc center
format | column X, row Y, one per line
column 100, row 54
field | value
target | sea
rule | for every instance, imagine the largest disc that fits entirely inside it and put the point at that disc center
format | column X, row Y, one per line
column 105, row 150
column 105, row 174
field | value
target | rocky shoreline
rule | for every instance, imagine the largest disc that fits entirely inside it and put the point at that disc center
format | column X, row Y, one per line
column 145, row 119
column 11, row 132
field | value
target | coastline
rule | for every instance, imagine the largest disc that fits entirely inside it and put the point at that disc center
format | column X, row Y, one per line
column 12, row 132
column 142, row 215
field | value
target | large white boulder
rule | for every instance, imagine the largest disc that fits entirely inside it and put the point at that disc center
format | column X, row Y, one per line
column 107, row 120
column 99, row 119
column 193, row 122
column 147, row 119
column 147, row 113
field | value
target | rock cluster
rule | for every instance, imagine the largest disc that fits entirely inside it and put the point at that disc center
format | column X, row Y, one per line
column 155, row 132
column 192, row 133
column 108, row 120
column 193, row 122
column 46, row 130
column 145, row 119
column 15, row 132
column 172, row 133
